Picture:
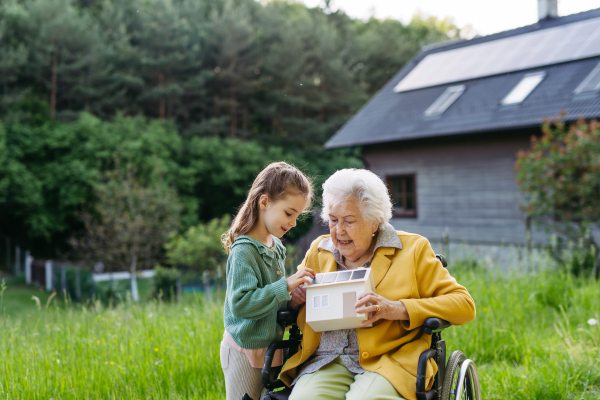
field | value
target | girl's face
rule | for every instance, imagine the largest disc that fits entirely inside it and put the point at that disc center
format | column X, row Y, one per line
column 280, row 216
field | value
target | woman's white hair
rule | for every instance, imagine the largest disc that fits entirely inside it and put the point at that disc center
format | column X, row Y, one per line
column 364, row 186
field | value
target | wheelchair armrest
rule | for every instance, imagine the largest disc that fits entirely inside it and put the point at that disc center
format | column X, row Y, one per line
column 287, row 318
column 265, row 375
column 435, row 325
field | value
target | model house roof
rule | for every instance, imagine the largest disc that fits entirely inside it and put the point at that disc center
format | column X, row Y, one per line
column 505, row 81
column 357, row 275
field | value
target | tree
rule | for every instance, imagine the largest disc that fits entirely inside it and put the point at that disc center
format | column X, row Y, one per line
column 62, row 44
column 50, row 169
column 3, row 177
column 14, row 56
column 200, row 247
column 130, row 224
column 560, row 179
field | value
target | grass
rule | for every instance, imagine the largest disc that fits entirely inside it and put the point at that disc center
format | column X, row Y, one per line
column 530, row 340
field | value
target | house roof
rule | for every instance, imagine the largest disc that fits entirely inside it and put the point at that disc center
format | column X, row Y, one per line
column 396, row 116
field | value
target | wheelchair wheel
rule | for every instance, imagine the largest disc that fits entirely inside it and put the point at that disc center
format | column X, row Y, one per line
column 461, row 381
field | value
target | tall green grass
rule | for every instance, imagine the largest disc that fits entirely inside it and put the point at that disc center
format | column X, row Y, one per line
column 149, row 351
column 530, row 340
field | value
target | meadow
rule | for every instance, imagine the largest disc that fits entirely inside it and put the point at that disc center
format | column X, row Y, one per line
column 531, row 340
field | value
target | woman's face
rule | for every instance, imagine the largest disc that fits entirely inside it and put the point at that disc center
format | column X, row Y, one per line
column 350, row 232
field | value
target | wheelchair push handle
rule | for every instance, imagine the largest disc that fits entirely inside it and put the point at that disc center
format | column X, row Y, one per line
column 265, row 374
column 284, row 318
column 287, row 318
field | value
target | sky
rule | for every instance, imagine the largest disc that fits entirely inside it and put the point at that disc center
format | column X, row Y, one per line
column 485, row 16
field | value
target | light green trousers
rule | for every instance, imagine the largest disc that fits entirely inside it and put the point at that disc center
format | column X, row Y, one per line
column 335, row 382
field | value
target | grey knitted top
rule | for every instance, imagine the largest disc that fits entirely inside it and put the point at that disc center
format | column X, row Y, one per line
column 256, row 290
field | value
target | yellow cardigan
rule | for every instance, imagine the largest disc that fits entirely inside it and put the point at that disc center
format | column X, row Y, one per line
column 392, row 348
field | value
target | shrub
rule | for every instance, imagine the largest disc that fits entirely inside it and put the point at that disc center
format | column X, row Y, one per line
column 560, row 180
column 165, row 283
column 199, row 248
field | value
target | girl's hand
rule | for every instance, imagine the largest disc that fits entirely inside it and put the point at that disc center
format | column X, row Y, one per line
column 304, row 276
column 388, row 309
column 298, row 298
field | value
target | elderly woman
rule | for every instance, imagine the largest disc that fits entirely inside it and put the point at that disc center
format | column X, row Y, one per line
column 411, row 285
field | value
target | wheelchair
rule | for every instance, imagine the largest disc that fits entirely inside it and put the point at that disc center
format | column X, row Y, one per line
column 456, row 379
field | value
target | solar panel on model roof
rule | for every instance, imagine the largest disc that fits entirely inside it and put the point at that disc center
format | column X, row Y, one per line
column 563, row 43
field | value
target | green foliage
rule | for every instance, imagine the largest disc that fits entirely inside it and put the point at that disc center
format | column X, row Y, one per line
column 51, row 170
column 239, row 69
column 242, row 83
column 199, row 248
column 3, row 172
column 560, row 176
column 560, row 179
column 131, row 222
column 165, row 283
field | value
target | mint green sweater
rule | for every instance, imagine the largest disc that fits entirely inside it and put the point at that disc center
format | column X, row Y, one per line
column 255, row 292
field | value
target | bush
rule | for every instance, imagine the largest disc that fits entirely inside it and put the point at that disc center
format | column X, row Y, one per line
column 199, row 248
column 113, row 292
column 165, row 283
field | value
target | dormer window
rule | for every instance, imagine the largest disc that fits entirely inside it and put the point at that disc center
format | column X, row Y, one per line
column 444, row 101
column 591, row 83
column 523, row 88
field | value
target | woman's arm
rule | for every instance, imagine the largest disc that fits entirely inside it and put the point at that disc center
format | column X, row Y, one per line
column 440, row 296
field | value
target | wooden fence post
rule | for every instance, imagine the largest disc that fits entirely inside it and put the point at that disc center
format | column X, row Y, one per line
column 49, row 285
column 28, row 261
column 206, row 279
column 63, row 280
column 529, row 243
column 446, row 244
column 7, row 240
column 17, row 261
column 78, row 285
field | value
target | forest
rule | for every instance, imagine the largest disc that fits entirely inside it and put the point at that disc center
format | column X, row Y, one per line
column 186, row 99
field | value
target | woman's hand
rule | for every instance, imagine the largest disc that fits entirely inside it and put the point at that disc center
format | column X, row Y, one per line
column 388, row 309
column 303, row 276
column 298, row 298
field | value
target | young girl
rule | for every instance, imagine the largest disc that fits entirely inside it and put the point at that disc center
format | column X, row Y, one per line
column 256, row 283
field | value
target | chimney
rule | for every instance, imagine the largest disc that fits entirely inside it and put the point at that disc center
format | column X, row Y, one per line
column 547, row 9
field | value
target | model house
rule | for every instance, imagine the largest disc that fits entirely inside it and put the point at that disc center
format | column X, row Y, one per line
column 330, row 299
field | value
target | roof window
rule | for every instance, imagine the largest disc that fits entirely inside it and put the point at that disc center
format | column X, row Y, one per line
column 445, row 100
column 591, row 83
column 523, row 88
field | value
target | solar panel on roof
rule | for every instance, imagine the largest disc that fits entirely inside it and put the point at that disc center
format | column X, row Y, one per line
column 535, row 49
column 591, row 83
column 329, row 277
column 359, row 274
column 343, row 276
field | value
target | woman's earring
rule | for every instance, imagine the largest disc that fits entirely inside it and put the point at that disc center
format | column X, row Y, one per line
column 373, row 234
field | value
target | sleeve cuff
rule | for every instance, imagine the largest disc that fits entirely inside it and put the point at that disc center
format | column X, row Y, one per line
column 280, row 288
column 414, row 320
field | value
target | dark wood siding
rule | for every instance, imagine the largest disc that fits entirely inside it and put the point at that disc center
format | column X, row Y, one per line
column 465, row 185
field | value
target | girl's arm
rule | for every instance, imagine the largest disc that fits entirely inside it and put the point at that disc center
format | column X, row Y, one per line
column 248, row 301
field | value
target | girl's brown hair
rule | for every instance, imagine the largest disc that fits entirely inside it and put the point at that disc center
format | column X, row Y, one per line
column 276, row 181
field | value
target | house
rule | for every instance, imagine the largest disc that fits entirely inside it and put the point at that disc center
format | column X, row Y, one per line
column 445, row 130
column 331, row 298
